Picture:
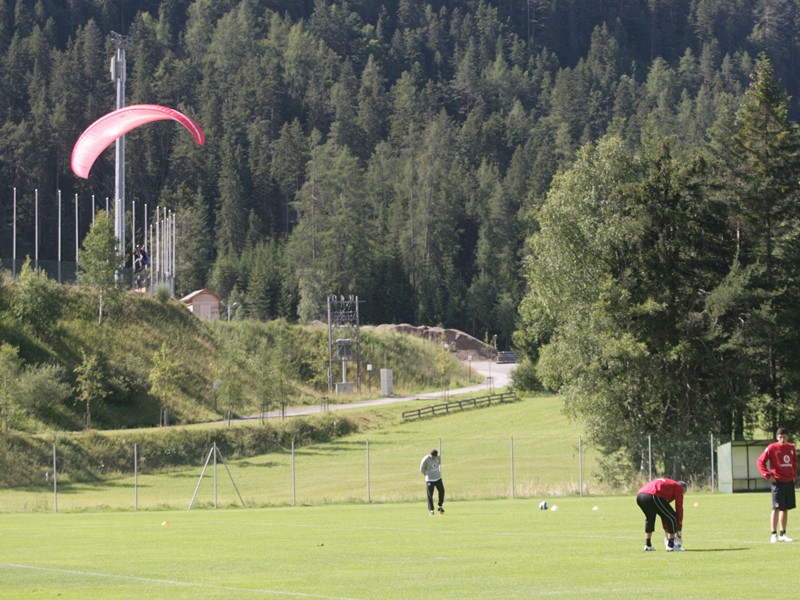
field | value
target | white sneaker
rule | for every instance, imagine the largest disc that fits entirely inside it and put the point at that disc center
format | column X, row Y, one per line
column 677, row 545
column 649, row 549
column 773, row 539
column 785, row 538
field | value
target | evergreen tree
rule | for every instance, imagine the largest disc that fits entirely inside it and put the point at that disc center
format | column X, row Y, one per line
column 289, row 159
column 373, row 108
column 335, row 234
column 193, row 262
column 231, row 223
column 759, row 168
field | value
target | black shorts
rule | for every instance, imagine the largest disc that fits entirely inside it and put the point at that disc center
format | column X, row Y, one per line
column 783, row 495
column 651, row 506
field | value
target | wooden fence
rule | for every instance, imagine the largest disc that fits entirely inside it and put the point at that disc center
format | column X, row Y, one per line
column 458, row 405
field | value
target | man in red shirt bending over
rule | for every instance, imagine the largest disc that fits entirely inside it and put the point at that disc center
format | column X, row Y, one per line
column 654, row 499
column 781, row 473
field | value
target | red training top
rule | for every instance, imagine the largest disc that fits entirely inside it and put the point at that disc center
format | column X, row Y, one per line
column 669, row 490
column 782, row 460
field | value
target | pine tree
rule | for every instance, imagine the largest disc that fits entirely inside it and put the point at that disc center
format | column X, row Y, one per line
column 758, row 157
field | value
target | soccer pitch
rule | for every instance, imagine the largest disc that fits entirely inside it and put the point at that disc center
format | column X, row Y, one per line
column 588, row 548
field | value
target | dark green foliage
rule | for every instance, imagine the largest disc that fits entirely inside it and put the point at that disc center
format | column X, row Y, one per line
column 662, row 288
column 629, row 247
column 444, row 87
column 758, row 156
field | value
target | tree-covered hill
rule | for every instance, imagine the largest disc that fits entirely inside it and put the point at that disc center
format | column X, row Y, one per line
column 392, row 150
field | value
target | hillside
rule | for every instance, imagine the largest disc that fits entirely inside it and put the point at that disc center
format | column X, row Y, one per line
column 396, row 150
column 243, row 367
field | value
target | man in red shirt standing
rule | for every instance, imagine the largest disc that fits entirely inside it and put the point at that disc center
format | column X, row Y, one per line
column 654, row 499
column 778, row 465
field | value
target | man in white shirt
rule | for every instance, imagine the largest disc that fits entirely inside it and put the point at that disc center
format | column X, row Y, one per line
column 431, row 467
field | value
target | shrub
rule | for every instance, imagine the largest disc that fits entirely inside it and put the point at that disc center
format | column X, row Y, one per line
column 37, row 301
column 163, row 293
column 524, row 377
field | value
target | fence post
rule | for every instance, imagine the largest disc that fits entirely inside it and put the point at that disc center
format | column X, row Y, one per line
column 712, row 463
column 55, row 481
column 214, row 451
column 580, row 464
column 512, row 467
column 136, row 476
column 369, row 497
column 294, row 487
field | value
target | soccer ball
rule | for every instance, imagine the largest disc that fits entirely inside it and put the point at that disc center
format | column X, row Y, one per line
column 543, row 505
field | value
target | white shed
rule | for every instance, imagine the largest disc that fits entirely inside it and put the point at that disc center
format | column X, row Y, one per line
column 203, row 303
column 737, row 470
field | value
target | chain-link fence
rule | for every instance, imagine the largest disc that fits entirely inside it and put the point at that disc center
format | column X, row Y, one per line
column 66, row 272
column 62, row 476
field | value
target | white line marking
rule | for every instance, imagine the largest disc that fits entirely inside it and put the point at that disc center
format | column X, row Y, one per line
column 170, row 582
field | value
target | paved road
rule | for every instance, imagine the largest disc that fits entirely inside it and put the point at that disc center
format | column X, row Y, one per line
column 495, row 377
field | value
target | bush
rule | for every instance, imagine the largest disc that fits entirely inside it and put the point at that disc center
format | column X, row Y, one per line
column 38, row 300
column 524, row 377
column 41, row 387
column 92, row 456
column 163, row 293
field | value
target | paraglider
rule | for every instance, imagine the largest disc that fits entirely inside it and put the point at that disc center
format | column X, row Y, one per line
column 99, row 135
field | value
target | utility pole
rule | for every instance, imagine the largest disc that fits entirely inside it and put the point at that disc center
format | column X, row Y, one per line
column 118, row 76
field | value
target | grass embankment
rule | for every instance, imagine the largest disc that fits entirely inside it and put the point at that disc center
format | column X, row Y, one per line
column 241, row 367
column 366, row 456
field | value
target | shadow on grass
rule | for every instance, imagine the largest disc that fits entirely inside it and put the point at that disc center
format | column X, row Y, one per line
column 82, row 487
column 333, row 448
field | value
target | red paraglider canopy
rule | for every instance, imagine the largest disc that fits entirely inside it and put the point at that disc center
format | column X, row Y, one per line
column 99, row 135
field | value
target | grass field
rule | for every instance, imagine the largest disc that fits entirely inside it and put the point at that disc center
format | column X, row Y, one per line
column 479, row 549
column 476, row 446
column 333, row 544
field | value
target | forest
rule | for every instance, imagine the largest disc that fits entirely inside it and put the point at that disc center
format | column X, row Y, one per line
column 391, row 150
column 613, row 180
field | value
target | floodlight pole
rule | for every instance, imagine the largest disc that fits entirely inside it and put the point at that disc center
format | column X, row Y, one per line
column 118, row 76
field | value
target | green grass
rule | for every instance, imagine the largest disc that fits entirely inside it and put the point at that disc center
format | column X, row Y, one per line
column 476, row 447
column 335, row 545
column 479, row 549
